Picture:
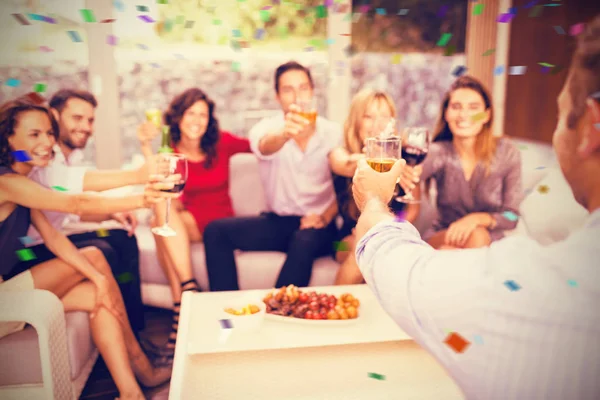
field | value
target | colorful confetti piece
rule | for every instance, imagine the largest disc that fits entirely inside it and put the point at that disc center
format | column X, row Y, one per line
column 46, row 49
column 511, row 216
column 107, row 21
column 226, row 324
column 380, row 11
column 572, row 283
column 236, row 33
column 26, row 240
column 576, row 29
column 544, row 64
column 26, row 255
column 456, row 342
column 74, row 36
column 146, row 18
column 396, row 58
column 374, row 375
column 559, row 30
column 450, row 50
column 535, row 11
column 21, row 155
column 112, row 40
column 538, row 168
column 39, row 87
column 512, row 10
column 118, row 4
column 35, row 98
column 531, row 4
column 59, row 188
column 154, row 65
column 49, row 20
column 517, row 70
column 22, row 20
column 12, row 82
column 102, row 233
column 488, row 52
column 125, row 277
column 259, row 34
column 543, row 189
column 444, row 39
column 401, row 216
column 512, row 285
column 499, row 70
column 478, row 339
column 162, row 1
column 403, row 11
column 236, row 66
column 321, row 11
column 478, row 9
column 87, row 15
column 265, row 16
column 443, row 11
column 141, row 8
column 460, row 70
column 505, row 18
column 189, row 24
column 479, row 116
column 340, row 246
column 36, row 17
column 142, row 46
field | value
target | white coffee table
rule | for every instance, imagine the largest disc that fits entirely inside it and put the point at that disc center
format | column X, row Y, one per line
column 285, row 360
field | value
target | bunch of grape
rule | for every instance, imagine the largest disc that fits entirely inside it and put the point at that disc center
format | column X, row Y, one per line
column 292, row 302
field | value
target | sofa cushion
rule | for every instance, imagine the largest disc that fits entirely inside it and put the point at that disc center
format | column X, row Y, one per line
column 245, row 187
column 552, row 216
column 536, row 160
column 20, row 352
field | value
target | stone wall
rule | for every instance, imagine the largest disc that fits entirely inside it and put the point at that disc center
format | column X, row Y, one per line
column 244, row 95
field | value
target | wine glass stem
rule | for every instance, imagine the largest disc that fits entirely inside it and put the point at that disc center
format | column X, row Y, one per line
column 168, row 211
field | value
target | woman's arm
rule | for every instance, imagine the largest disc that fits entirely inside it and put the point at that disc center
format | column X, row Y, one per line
column 512, row 193
column 236, row 144
column 342, row 162
column 100, row 180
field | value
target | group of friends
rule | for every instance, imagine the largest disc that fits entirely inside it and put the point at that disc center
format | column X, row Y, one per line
column 313, row 173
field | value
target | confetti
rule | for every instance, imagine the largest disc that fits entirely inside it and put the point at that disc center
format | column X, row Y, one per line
column 189, row 24
column 504, row 18
column 141, row 8
column 512, row 285
column 572, row 283
column 543, row 189
column 531, row 4
column 444, row 39
column 217, row 22
column 559, row 30
column 443, row 11
column 107, row 21
column 456, row 342
column 35, row 97
column 478, row 339
column 401, row 216
column 499, row 70
column 162, row 1
column 87, row 15
column 39, row 87
column 535, row 11
column 236, row 66
column 380, row 11
column 22, row 20
column 12, row 82
column 36, row 17
column 478, row 9
column 259, row 34
column 396, row 58
column 264, row 15
column 46, row 49
column 226, row 324
column 321, row 11
column 74, row 36
column 551, row 5
column 146, row 18
column 376, row 376
column 489, row 52
column 364, row 8
column 142, row 46
column 450, row 50
column 511, row 216
column 26, row 240
column 26, row 255
column 21, row 155
column 119, row 5
column 102, row 233
column 49, row 20
column 154, row 65
column 478, row 116
column 543, row 64
column 460, row 70
column 340, row 246
column 59, row 188
column 404, row 11
column 236, row 33
column 512, row 10
column 112, row 40
column 541, row 168
column 125, row 277
column 576, row 29
column 517, row 70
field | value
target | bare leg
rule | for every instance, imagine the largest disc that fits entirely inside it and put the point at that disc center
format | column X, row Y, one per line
column 348, row 273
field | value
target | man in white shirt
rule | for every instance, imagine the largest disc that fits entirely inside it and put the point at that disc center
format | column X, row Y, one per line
column 74, row 111
column 516, row 320
column 294, row 169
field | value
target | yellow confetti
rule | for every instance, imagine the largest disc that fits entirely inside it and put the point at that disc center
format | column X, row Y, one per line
column 543, row 189
column 102, row 233
column 478, row 116
column 396, row 58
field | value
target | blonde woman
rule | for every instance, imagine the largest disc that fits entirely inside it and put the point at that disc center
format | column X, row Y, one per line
column 370, row 112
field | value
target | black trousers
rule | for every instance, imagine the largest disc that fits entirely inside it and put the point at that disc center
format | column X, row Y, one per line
column 267, row 232
column 121, row 252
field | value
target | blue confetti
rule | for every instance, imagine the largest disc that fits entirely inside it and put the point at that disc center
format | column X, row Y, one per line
column 460, row 70
column 21, row 156
column 142, row 46
column 74, row 36
column 512, row 285
column 512, row 10
column 26, row 240
column 559, row 30
column 541, row 168
column 478, row 339
column 119, row 5
column 380, row 11
column 259, row 34
column 236, row 33
column 509, row 215
column 572, row 283
column 12, row 82
column 35, row 17
column 499, row 70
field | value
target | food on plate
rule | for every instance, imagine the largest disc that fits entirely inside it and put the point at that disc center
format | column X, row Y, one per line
column 247, row 310
column 290, row 301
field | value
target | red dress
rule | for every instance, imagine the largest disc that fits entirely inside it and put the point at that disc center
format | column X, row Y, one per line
column 206, row 192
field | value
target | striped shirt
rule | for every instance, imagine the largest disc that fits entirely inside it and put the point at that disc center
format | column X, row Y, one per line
column 528, row 313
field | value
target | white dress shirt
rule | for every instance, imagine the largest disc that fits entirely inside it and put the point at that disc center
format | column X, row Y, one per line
column 541, row 341
column 297, row 182
column 67, row 173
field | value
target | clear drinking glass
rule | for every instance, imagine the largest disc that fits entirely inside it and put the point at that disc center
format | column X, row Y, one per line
column 415, row 145
column 169, row 165
column 383, row 152
column 154, row 115
column 308, row 109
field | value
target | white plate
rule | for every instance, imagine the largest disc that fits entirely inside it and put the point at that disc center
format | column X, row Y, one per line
column 312, row 322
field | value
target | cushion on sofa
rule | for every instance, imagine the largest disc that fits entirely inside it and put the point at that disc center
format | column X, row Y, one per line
column 552, row 216
column 20, row 346
column 246, row 190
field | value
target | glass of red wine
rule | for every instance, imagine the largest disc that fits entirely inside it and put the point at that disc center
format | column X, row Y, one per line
column 168, row 166
column 415, row 145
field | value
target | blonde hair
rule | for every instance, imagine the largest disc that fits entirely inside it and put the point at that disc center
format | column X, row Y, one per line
column 358, row 108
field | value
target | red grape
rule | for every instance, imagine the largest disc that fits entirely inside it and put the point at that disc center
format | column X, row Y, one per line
column 323, row 313
column 313, row 306
column 332, row 299
column 308, row 315
column 303, row 298
column 331, row 305
column 317, row 316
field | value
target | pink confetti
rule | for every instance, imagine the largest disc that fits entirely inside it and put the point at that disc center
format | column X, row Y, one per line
column 112, row 40
column 364, row 8
column 576, row 29
column 46, row 49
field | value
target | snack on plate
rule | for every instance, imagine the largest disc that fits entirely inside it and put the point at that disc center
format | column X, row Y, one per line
column 292, row 302
column 247, row 310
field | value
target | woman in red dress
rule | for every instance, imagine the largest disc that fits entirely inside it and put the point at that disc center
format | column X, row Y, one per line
column 194, row 133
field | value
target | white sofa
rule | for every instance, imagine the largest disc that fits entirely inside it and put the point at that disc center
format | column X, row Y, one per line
column 21, row 369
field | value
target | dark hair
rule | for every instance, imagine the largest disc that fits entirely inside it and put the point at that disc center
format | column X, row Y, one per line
column 173, row 116
column 60, row 98
column 584, row 77
column 9, row 113
column 290, row 66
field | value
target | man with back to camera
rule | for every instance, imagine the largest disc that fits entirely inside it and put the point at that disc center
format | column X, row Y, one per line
column 75, row 113
column 294, row 170
column 539, row 342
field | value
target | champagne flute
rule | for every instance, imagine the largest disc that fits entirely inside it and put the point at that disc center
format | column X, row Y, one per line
column 415, row 145
column 169, row 165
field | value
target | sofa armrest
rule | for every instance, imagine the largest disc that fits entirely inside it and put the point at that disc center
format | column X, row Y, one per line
column 45, row 312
